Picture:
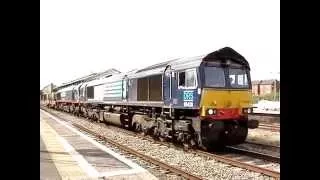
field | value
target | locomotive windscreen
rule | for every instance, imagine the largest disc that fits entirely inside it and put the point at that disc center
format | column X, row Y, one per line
column 214, row 77
column 238, row 78
column 226, row 77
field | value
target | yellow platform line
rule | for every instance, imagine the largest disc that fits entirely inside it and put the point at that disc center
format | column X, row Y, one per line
column 67, row 167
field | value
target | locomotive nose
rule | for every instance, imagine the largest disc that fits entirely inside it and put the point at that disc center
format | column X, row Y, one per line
column 227, row 103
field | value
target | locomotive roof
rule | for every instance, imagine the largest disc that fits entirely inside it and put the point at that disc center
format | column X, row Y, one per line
column 227, row 53
column 68, row 88
column 112, row 78
column 90, row 77
column 223, row 54
column 155, row 66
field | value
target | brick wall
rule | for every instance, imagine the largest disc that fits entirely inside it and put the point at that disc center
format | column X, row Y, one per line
column 265, row 87
column 255, row 89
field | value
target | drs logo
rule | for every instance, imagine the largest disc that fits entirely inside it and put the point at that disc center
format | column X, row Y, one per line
column 188, row 98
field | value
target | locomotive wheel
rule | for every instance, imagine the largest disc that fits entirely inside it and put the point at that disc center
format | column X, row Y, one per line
column 134, row 127
column 242, row 134
column 186, row 147
column 143, row 133
column 163, row 139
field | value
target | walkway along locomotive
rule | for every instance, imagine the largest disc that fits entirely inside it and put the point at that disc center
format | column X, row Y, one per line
column 201, row 101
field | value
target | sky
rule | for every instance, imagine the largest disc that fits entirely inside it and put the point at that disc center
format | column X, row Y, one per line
column 80, row 37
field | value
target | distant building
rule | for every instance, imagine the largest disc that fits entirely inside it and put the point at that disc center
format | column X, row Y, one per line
column 46, row 92
column 264, row 87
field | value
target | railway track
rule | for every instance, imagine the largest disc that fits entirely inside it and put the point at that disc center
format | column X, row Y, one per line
column 259, row 155
column 269, row 127
column 156, row 170
column 218, row 157
column 165, row 167
column 261, row 144
column 265, row 114
column 154, row 161
column 232, row 161
column 267, row 121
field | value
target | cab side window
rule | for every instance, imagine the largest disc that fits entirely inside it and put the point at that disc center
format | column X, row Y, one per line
column 182, row 79
column 187, row 79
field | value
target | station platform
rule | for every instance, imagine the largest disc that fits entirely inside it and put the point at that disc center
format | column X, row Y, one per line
column 66, row 153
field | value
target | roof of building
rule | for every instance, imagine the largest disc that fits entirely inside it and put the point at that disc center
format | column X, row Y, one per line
column 265, row 82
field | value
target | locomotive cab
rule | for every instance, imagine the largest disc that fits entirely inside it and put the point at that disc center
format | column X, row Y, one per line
column 225, row 98
column 226, row 91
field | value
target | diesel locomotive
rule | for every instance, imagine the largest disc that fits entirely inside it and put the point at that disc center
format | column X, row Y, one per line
column 201, row 101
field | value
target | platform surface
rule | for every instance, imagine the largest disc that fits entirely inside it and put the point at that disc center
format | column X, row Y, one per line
column 66, row 153
column 47, row 168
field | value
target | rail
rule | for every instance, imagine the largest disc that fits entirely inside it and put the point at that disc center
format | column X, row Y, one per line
column 178, row 171
column 142, row 156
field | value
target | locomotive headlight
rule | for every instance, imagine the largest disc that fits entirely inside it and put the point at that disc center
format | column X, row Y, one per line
column 212, row 111
column 245, row 110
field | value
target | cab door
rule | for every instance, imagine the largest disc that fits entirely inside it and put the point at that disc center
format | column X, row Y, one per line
column 167, row 86
column 125, row 88
column 187, row 89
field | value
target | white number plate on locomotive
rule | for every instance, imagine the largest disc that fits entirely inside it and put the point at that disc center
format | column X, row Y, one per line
column 188, row 104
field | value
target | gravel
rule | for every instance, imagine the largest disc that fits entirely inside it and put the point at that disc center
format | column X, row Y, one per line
column 154, row 170
column 190, row 162
column 264, row 136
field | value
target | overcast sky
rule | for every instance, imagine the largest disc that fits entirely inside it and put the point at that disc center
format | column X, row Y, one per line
column 80, row 37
